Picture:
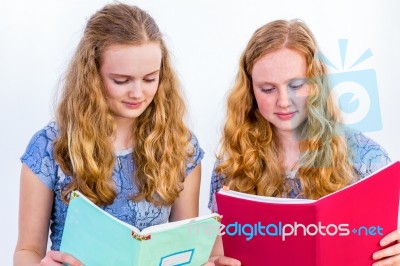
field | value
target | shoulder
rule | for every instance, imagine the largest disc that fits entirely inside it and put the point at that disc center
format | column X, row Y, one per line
column 43, row 139
column 367, row 156
column 39, row 154
column 196, row 144
column 194, row 140
column 216, row 184
column 196, row 152
column 50, row 131
column 217, row 179
column 363, row 147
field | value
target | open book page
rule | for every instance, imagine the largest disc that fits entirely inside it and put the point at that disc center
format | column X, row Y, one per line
column 167, row 226
column 236, row 194
column 258, row 198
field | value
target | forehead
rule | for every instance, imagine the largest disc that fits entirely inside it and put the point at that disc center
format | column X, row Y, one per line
column 280, row 66
column 131, row 59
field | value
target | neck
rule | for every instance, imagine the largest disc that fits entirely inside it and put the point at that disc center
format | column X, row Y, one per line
column 123, row 135
column 289, row 146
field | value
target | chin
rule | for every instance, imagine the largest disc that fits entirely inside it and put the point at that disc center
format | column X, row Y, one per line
column 287, row 128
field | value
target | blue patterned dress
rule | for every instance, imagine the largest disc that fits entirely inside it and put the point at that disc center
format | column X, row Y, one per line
column 367, row 157
column 39, row 157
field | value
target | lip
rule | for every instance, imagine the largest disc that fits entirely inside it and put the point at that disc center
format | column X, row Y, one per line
column 132, row 105
column 285, row 115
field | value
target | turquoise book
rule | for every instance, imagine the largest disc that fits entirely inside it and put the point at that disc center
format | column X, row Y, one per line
column 97, row 238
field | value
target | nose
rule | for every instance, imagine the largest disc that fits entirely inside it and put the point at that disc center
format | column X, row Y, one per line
column 284, row 98
column 135, row 90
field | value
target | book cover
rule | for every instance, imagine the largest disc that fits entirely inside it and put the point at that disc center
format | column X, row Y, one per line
column 97, row 238
column 343, row 228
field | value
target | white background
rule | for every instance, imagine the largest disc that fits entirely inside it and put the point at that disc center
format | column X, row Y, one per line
column 37, row 39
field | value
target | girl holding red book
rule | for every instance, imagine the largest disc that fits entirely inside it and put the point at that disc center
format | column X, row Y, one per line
column 283, row 135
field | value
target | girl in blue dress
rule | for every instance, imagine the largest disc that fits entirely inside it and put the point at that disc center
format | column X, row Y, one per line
column 118, row 137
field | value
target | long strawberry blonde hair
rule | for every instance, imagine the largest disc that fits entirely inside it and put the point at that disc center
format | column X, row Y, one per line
column 84, row 148
column 249, row 153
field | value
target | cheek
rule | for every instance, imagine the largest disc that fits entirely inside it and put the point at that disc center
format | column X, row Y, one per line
column 111, row 91
column 301, row 102
column 303, row 94
column 264, row 103
column 151, row 90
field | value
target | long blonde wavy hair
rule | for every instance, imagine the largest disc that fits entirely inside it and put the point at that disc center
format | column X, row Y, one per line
column 249, row 153
column 84, row 147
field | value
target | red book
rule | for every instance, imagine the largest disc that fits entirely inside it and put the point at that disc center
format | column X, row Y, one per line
column 343, row 228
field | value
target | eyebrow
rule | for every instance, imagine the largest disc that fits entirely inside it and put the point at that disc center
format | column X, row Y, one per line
column 297, row 79
column 288, row 81
column 128, row 76
column 154, row 72
column 261, row 83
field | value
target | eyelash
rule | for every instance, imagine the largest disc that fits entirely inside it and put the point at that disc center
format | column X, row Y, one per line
column 122, row 82
column 268, row 90
column 293, row 87
column 296, row 87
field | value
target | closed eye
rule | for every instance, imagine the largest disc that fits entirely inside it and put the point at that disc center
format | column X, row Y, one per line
column 150, row 80
column 120, row 82
column 268, row 90
column 297, row 84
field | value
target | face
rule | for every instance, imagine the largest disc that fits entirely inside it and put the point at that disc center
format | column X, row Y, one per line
column 280, row 88
column 130, row 75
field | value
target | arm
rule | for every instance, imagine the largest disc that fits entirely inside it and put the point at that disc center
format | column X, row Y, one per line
column 217, row 257
column 35, row 202
column 187, row 204
column 35, row 205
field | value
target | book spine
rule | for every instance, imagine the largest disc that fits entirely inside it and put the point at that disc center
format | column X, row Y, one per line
column 140, row 237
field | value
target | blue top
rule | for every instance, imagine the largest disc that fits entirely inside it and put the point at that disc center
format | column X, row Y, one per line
column 366, row 157
column 39, row 157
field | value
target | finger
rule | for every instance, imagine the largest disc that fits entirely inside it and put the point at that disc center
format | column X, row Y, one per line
column 392, row 261
column 63, row 257
column 47, row 261
column 387, row 252
column 227, row 261
column 389, row 238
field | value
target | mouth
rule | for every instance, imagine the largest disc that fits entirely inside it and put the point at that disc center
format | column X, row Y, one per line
column 132, row 105
column 285, row 115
